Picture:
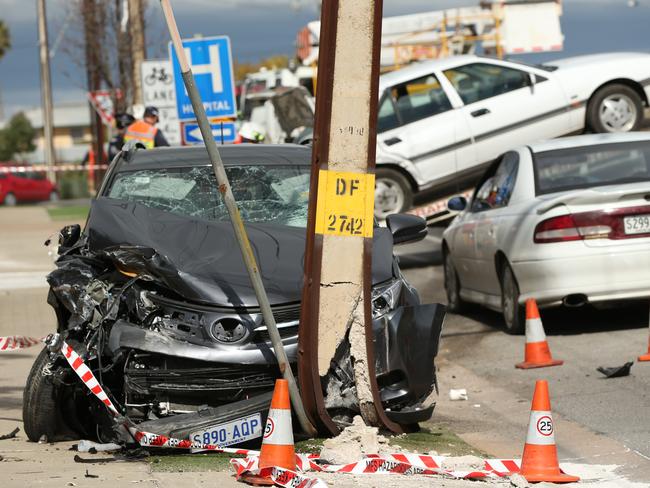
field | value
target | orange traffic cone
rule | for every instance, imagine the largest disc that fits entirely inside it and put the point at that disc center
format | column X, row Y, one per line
column 537, row 355
column 646, row 357
column 277, row 444
column 539, row 461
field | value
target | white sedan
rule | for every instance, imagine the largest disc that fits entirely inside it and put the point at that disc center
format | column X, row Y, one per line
column 564, row 222
column 441, row 122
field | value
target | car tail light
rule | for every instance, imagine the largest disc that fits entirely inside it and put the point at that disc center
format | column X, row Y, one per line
column 602, row 224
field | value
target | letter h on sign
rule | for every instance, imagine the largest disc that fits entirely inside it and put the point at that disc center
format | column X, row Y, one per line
column 212, row 67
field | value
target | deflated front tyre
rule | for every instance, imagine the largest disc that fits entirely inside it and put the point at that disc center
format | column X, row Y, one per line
column 45, row 404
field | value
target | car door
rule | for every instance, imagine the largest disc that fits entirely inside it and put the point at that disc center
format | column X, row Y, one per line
column 495, row 222
column 507, row 105
column 40, row 185
column 22, row 188
column 417, row 123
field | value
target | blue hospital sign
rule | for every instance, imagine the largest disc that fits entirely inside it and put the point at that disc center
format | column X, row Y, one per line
column 211, row 63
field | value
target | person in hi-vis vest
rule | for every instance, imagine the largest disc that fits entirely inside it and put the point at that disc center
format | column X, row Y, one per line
column 145, row 130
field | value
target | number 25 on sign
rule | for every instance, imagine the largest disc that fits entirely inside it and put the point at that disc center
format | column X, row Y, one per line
column 345, row 203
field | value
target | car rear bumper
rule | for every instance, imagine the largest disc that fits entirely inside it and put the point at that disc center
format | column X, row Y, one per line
column 598, row 274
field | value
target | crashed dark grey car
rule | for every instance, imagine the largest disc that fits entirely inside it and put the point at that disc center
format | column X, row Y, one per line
column 154, row 295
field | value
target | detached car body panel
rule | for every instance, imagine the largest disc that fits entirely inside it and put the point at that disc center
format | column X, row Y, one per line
column 154, row 290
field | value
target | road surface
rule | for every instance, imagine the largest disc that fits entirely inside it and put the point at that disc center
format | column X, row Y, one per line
column 598, row 420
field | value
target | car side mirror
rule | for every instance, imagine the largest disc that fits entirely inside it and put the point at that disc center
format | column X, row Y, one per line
column 457, row 204
column 532, row 79
column 68, row 237
column 406, row 228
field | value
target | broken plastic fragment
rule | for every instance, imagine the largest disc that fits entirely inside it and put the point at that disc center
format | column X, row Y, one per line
column 616, row 371
column 457, row 395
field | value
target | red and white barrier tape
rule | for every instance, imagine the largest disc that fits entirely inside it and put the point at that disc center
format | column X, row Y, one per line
column 433, row 208
column 405, row 464
column 13, row 343
column 58, row 167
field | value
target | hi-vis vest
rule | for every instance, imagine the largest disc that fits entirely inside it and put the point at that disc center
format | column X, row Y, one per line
column 143, row 132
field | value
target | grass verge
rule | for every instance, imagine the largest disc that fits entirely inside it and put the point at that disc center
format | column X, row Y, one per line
column 73, row 213
column 432, row 438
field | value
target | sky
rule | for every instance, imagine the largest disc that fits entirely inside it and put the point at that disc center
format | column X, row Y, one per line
column 259, row 28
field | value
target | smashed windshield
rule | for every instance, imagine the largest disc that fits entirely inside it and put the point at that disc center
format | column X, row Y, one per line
column 591, row 166
column 264, row 194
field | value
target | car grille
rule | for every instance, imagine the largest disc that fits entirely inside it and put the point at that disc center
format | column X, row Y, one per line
column 285, row 314
column 285, row 333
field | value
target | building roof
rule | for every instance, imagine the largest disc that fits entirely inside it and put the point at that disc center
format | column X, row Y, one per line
column 71, row 114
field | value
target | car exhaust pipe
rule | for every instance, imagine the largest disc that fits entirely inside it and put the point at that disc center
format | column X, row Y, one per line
column 576, row 300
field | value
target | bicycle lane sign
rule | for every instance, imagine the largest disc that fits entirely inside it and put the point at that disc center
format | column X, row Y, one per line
column 159, row 91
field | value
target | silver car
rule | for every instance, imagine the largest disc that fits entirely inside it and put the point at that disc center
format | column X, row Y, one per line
column 565, row 221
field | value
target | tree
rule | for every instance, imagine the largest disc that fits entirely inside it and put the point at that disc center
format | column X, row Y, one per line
column 17, row 137
column 5, row 39
column 100, row 44
column 272, row 62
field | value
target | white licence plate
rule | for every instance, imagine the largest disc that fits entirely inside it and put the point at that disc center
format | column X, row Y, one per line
column 232, row 432
column 637, row 224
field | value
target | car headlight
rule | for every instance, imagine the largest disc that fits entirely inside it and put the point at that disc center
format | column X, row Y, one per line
column 385, row 297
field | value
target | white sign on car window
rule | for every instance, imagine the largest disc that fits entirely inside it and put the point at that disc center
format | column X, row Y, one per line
column 158, row 90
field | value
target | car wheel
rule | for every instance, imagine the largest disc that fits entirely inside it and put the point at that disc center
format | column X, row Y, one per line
column 393, row 193
column 54, row 197
column 10, row 200
column 44, row 405
column 452, row 286
column 513, row 312
column 615, row 108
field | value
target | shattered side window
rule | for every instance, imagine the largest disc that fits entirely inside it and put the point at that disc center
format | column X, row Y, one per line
column 264, row 194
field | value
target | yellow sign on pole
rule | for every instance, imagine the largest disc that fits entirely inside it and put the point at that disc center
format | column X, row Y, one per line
column 345, row 203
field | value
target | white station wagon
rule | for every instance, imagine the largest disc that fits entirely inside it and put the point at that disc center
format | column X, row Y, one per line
column 440, row 122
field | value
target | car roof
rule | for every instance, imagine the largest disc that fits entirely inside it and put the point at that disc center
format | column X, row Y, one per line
column 231, row 154
column 423, row 68
column 587, row 140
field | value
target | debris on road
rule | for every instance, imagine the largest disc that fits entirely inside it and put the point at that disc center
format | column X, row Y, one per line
column 354, row 442
column 458, row 394
column 88, row 475
column 79, row 459
column 616, row 371
column 10, row 435
column 90, row 446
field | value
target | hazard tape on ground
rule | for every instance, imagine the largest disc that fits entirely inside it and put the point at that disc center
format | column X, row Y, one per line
column 58, row 167
column 401, row 463
column 13, row 343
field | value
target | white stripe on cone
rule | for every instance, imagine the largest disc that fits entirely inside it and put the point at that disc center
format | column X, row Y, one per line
column 534, row 331
column 541, row 429
column 278, row 430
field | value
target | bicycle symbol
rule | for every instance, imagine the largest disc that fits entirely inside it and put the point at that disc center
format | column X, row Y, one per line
column 158, row 75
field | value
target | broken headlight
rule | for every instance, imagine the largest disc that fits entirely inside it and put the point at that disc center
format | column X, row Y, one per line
column 385, row 297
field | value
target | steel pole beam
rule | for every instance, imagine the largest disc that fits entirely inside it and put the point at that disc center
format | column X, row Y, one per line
column 235, row 218
column 337, row 282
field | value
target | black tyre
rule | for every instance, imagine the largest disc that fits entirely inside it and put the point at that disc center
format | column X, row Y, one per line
column 615, row 108
column 45, row 404
column 393, row 193
column 513, row 313
column 455, row 304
